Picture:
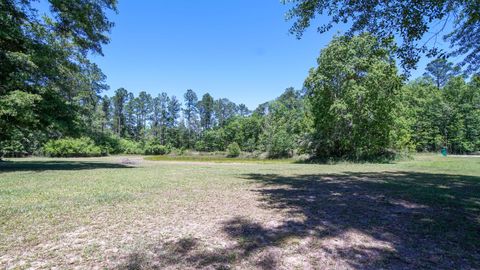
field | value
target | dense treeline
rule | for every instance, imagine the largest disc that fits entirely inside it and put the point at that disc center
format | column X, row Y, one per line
column 354, row 104
column 362, row 108
column 48, row 86
column 125, row 123
column 358, row 123
column 444, row 117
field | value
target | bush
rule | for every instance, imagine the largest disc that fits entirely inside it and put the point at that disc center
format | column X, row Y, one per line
column 110, row 144
column 233, row 150
column 155, row 148
column 130, row 147
column 71, row 147
column 200, row 146
column 280, row 145
column 11, row 148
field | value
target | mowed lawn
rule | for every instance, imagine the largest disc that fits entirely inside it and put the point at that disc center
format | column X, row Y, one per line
column 113, row 213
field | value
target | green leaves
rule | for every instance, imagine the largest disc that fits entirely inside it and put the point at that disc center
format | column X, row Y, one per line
column 448, row 116
column 70, row 147
column 285, row 125
column 354, row 99
column 233, row 150
column 416, row 25
column 47, row 83
column 84, row 20
column 17, row 104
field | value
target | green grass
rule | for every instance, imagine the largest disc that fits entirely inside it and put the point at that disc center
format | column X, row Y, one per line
column 435, row 163
column 219, row 212
column 218, row 159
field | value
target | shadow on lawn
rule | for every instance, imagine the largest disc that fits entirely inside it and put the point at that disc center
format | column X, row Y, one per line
column 428, row 221
column 57, row 165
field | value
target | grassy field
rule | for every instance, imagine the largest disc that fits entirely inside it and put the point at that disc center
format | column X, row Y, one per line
column 220, row 159
column 131, row 213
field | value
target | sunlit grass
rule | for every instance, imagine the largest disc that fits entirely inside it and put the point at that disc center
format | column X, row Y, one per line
column 45, row 203
column 219, row 159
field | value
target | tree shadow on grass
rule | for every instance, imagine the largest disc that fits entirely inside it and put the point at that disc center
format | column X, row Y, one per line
column 184, row 253
column 389, row 220
column 423, row 220
column 56, row 165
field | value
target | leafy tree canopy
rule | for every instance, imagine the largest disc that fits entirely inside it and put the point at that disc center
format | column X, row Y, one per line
column 408, row 21
column 44, row 70
column 440, row 71
column 354, row 97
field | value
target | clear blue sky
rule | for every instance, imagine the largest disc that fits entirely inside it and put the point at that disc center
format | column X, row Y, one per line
column 238, row 49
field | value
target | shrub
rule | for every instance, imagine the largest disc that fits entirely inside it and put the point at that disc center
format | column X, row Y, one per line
column 155, row 148
column 11, row 148
column 110, row 144
column 71, row 147
column 280, row 145
column 200, row 146
column 130, row 147
column 213, row 140
column 233, row 150
column 20, row 144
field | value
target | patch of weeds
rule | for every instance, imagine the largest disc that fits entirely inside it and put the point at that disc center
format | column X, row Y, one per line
column 289, row 241
column 112, row 199
column 217, row 159
column 91, row 250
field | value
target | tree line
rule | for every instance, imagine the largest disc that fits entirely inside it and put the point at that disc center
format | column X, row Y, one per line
column 125, row 123
column 363, row 108
column 167, row 119
column 355, row 104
